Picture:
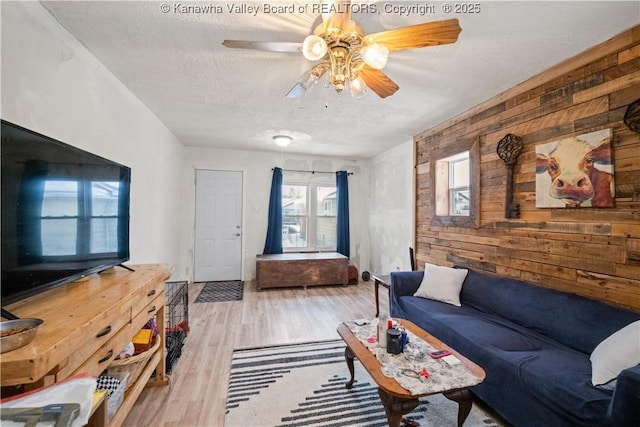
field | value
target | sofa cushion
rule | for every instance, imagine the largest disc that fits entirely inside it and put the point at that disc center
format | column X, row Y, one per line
column 561, row 379
column 619, row 351
column 450, row 324
column 570, row 319
column 441, row 284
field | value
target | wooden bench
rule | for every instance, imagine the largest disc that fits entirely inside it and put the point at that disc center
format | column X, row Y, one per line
column 301, row 269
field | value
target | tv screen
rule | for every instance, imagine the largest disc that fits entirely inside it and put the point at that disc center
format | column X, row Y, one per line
column 65, row 213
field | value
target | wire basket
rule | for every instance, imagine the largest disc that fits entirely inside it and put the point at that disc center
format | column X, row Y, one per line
column 133, row 365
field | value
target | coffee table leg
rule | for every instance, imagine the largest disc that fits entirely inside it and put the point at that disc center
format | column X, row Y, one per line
column 396, row 407
column 465, row 402
column 349, row 356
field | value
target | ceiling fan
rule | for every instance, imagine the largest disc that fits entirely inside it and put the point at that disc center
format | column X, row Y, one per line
column 352, row 58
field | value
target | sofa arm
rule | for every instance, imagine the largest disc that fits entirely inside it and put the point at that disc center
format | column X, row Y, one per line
column 405, row 282
column 625, row 405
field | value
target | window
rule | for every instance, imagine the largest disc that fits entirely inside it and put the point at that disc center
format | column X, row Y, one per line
column 455, row 176
column 295, row 216
column 69, row 207
column 326, row 218
column 458, row 168
column 309, row 217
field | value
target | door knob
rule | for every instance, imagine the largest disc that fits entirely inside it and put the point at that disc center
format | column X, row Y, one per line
column 238, row 234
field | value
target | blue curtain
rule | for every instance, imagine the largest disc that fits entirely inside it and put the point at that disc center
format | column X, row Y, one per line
column 342, row 187
column 273, row 245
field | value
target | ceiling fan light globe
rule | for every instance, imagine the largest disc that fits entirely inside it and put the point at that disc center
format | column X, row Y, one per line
column 375, row 55
column 308, row 80
column 314, row 48
column 357, row 87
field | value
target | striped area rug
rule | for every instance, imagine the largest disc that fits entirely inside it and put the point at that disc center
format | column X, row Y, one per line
column 303, row 385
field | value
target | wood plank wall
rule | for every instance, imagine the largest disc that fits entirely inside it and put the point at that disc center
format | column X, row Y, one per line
column 594, row 252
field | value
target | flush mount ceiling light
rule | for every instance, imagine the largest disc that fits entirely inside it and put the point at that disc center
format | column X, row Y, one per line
column 351, row 58
column 282, row 140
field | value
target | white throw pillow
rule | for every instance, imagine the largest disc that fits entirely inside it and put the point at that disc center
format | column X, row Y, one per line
column 442, row 284
column 619, row 351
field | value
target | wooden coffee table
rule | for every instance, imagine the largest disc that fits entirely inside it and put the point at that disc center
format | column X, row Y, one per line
column 396, row 400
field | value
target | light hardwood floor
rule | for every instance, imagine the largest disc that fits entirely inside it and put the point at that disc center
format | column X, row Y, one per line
column 198, row 387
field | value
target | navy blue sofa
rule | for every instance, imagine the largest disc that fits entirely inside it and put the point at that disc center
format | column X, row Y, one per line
column 534, row 344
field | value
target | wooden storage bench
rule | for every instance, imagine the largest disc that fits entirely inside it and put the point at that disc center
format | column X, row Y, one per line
column 301, row 269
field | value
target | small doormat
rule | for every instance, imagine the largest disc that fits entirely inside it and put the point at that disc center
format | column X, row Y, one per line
column 221, row 291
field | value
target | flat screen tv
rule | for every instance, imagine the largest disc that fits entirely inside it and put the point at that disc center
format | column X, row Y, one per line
column 65, row 213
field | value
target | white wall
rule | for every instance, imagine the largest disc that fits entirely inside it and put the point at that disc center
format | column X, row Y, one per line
column 256, row 168
column 53, row 85
column 391, row 209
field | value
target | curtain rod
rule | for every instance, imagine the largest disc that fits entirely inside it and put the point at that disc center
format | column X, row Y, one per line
column 312, row 172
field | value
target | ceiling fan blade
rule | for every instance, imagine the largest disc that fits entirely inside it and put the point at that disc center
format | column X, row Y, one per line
column 336, row 13
column 421, row 35
column 292, row 47
column 378, row 82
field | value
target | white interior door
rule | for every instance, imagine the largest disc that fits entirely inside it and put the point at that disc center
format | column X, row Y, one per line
column 218, row 231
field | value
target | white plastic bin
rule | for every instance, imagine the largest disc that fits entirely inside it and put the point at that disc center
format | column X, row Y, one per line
column 115, row 394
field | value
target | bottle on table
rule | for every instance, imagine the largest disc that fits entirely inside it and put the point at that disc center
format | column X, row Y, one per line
column 383, row 325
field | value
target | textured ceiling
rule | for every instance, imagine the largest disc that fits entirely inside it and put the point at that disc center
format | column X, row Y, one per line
column 212, row 96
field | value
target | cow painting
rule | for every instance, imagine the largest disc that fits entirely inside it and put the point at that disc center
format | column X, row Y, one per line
column 575, row 172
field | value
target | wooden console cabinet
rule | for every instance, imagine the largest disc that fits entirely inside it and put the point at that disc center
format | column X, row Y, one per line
column 86, row 325
column 301, row 269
